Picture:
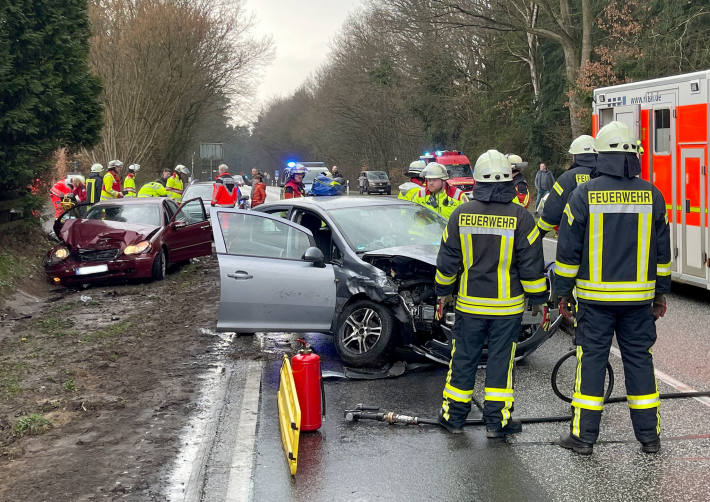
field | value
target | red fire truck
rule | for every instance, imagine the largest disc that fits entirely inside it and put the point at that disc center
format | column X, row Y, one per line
column 671, row 116
column 457, row 165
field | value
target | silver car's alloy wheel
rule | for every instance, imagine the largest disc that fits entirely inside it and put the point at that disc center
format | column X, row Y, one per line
column 363, row 329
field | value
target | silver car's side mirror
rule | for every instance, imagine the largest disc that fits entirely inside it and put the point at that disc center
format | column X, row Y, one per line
column 315, row 256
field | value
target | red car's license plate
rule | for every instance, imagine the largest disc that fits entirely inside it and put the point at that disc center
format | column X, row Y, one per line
column 96, row 269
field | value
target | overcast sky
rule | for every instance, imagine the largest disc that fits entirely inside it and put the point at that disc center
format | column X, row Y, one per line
column 302, row 31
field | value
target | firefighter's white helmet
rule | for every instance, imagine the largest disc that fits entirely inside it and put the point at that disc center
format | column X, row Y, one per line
column 182, row 169
column 492, row 167
column 134, row 167
column 97, row 168
column 115, row 164
column 415, row 168
column 583, row 144
column 615, row 137
column 434, row 170
column 516, row 162
column 77, row 179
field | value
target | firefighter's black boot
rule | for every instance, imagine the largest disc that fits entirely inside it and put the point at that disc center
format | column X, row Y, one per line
column 512, row 427
column 570, row 442
column 448, row 426
column 651, row 446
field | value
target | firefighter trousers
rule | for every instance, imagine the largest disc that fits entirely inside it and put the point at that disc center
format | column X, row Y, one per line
column 635, row 334
column 470, row 334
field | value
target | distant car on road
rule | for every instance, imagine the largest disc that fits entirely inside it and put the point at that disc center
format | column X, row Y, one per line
column 377, row 182
column 359, row 268
column 127, row 238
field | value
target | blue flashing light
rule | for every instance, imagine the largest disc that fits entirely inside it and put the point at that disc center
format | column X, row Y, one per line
column 426, row 154
column 438, row 153
column 291, row 164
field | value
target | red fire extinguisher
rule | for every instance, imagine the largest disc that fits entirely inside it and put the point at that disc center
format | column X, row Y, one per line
column 309, row 387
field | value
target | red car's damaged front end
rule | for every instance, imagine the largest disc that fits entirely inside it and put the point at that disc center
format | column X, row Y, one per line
column 95, row 249
column 127, row 239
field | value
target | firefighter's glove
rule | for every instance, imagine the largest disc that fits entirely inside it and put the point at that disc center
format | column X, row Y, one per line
column 542, row 309
column 441, row 303
column 567, row 304
column 659, row 306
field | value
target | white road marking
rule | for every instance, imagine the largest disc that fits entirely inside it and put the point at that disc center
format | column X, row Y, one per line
column 240, row 474
column 673, row 382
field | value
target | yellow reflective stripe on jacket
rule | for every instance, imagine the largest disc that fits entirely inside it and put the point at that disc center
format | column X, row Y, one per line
column 615, row 296
column 536, row 286
column 462, row 396
column 495, row 394
column 533, row 235
column 596, row 245
column 444, row 280
column 616, row 286
column 570, row 216
column 445, row 235
column 566, row 270
column 468, row 308
column 547, row 227
column 595, row 403
column 663, row 269
column 643, row 244
column 504, row 261
column 492, row 302
column 557, row 188
column 644, row 402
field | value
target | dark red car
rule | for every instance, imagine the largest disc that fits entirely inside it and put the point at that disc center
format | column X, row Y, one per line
column 127, row 238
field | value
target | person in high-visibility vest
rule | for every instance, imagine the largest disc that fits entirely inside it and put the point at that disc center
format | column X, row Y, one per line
column 153, row 189
column 129, row 184
column 522, row 194
column 176, row 182
column 433, row 195
column 65, row 193
column 111, row 188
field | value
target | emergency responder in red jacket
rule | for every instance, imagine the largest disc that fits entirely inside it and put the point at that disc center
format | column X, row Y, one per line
column 67, row 191
column 585, row 158
column 258, row 191
column 294, row 187
column 614, row 247
column 225, row 191
column 492, row 248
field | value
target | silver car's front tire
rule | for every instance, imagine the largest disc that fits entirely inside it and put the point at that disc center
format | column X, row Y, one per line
column 364, row 334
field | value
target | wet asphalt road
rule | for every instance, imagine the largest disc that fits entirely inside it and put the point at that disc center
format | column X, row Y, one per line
column 375, row 461
column 367, row 461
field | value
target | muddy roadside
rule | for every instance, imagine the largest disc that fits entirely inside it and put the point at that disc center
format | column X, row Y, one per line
column 95, row 385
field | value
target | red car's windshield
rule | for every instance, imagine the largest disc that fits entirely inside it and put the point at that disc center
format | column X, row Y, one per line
column 139, row 214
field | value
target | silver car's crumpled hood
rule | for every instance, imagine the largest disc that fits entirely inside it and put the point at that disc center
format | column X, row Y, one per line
column 425, row 253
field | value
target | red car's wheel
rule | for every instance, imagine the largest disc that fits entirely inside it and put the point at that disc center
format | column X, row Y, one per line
column 159, row 266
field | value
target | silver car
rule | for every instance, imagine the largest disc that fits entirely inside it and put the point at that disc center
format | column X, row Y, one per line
column 359, row 268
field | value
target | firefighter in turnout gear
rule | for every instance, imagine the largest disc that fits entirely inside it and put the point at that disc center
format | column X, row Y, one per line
column 585, row 158
column 433, row 195
column 522, row 194
column 614, row 246
column 129, row 183
column 492, row 247
column 111, row 187
column 153, row 189
column 94, row 183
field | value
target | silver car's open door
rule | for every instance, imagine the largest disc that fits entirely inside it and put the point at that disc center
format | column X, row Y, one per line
column 266, row 285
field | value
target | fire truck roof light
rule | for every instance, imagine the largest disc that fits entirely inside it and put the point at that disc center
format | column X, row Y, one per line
column 438, row 153
column 291, row 164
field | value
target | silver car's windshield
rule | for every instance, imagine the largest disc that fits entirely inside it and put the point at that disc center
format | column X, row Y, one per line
column 376, row 175
column 204, row 192
column 369, row 228
column 140, row 214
